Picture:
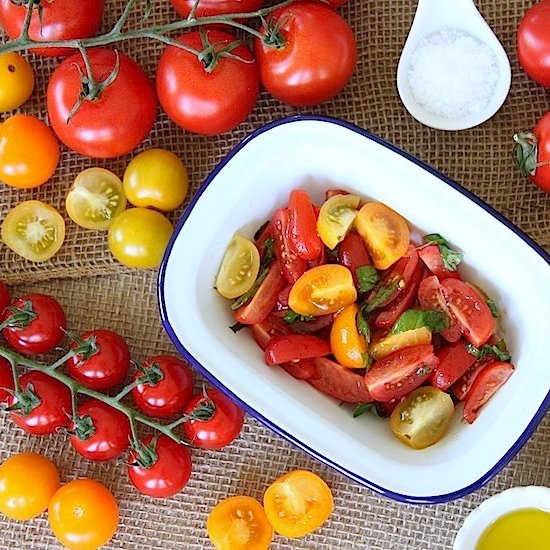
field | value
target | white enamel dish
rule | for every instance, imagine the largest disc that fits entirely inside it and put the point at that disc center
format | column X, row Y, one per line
column 316, row 153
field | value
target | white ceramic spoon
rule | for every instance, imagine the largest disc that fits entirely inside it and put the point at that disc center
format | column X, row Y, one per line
column 432, row 16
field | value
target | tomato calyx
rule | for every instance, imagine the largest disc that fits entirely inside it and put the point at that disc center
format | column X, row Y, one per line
column 145, row 455
column 212, row 53
column 273, row 37
column 526, row 153
column 84, row 427
column 150, row 374
column 20, row 318
column 85, row 348
column 27, row 400
column 203, row 412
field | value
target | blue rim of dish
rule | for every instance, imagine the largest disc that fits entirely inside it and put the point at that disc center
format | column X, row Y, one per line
column 410, row 499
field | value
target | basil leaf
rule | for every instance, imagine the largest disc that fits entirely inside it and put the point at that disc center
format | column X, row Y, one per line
column 363, row 408
column 493, row 307
column 499, row 350
column 268, row 247
column 381, row 295
column 367, row 277
column 291, row 316
column 363, row 325
column 451, row 258
column 248, row 295
column 436, row 321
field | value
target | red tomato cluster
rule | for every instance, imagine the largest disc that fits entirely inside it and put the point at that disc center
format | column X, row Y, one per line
column 362, row 333
column 162, row 387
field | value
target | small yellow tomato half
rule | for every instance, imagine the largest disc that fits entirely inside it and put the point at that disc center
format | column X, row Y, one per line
column 16, row 81
column 347, row 344
column 336, row 218
column 156, row 178
column 393, row 342
column 138, row 237
column 95, row 198
column 27, row 483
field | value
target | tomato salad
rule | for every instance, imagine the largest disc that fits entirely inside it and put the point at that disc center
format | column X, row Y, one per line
column 340, row 296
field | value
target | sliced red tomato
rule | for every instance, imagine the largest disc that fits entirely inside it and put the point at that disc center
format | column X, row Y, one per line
column 293, row 266
column 293, row 347
column 454, row 361
column 462, row 386
column 268, row 328
column 301, row 370
column 399, row 373
column 431, row 256
column 486, row 384
column 352, row 253
column 303, row 226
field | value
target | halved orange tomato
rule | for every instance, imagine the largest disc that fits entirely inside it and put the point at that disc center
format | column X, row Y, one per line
column 322, row 290
column 385, row 232
column 347, row 344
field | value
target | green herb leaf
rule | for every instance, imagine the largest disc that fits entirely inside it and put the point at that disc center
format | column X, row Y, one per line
column 291, row 316
column 268, row 249
column 436, row 321
column 367, row 277
column 248, row 295
column 451, row 258
column 363, row 408
column 381, row 295
column 260, row 230
column 236, row 327
column 493, row 307
column 363, row 325
column 499, row 350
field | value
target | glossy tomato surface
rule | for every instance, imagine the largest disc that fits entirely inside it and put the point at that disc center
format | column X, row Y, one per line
column 215, row 7
column 6, row 379
column 112, row 124
column 16, row 81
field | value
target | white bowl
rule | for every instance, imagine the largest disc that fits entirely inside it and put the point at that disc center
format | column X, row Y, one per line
column 316, row 153
column 490, row 510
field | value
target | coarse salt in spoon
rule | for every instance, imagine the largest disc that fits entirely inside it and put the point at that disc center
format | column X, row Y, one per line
column 453, row 72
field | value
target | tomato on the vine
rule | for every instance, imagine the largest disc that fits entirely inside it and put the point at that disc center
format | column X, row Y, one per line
column 83, row 514
column 169, row 472
column 110, row 124
column 216, row 7
column 208, row 96
column 6, row 379
column 52, row 21
column 45, row 404
column 16, row 81
column 221, row 428
column 34, row 323
column 311, row 55
column 103, row 359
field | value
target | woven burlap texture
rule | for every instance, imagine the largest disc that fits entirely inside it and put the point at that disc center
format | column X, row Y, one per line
column 98, row 292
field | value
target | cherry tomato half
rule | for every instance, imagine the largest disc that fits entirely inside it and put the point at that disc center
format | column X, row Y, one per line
column 303, row 226
column 27, row 483
column 347, row 344
column 336, row 218
column 294, row 347
column 16, row 81
column 394, row 342
column 83, row 514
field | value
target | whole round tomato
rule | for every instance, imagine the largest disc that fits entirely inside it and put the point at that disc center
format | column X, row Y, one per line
column 207, row 97
column 533, row 42
column 215, row 7
column 52, row 21
column 115, row 121
column 169, row 473
column 221, row 428
column 16, row 81
column 27, row 483
column 170, row 394
column 83, row 514
column 156, row 178
column 102, row 432
column 312, row 56
column 6, row 379
column 34, row 323
column 29, row 152
column 102, row 361
column 45, row 404
column 138, row 237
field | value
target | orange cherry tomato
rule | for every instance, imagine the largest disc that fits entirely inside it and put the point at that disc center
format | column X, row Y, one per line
column 385, row 233
column 237, row 523
column 29, row 152
column 322, row 290
column 347, row 344
column 393, row 342
column 298, row 503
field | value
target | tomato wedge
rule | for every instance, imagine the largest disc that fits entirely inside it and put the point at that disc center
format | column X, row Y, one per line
column 454, row 361
column 347, row 344
column 394, row 342
column 431, row 256
column 293, row 266
column 352, row 253
column 303, row 226
column 293, row 347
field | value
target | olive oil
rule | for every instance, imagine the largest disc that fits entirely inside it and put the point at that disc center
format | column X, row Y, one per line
column 524, row 529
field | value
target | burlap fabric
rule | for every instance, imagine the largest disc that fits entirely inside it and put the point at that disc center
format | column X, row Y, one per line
column 98, row 292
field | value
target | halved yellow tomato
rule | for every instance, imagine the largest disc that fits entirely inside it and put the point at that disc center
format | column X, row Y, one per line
column 322, row 290
column 394, row 342
column 336, row 218
column 34, row 230
column 95, row 198
column 347, row 344
column 16, row 81
column 385, row 233
column 297, row 503
column 239, row 523
column 239, row 268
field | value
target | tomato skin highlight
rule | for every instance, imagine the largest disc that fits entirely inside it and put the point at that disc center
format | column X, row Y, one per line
column 6, row 379
column 303, row 226
column 113, row 124
column 292, row 264
column 346, row 344
column 292, row 347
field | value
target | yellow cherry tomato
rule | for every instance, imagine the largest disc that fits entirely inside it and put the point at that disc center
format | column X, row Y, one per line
column 95, row 198
column 347, row 344
column 34, row 230
column 27, row 483
column 298, row 503
column 336, row 217
column 138, row 237
column 156, row 178
column 16, row 81
column 394, row 342
column 29, row 152
column 385, row 233
column 322, row 290
column 83, row 514
column 239, row 523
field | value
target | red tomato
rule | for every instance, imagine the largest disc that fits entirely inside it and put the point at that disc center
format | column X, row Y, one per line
column 487, row 382
column 533, row 42
column 301, row 370
column 336, row 3
column 34, row 324
column 169, row 473
column 112, row 124
column 303, row 226
column 400, row 372
column 103, row 362
column 5, row 299
column 352, row 253
column 103, row 433
column 314, row 55
column 221, row 429
column 216, row 7
column 53, row 21
column 268, row 328
column 45, row 404
column 170, row 394
column 293, row 265
column 462, row 386
column 454, row 361
column 431, row 256
column 293, row 347
column 6, row 379
column 205, row 100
